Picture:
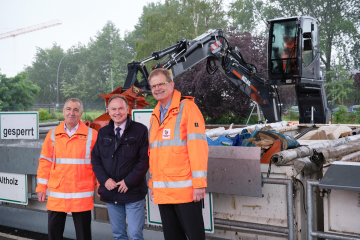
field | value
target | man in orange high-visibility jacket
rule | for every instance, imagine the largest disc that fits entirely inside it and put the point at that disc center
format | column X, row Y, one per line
column 65, row 168
column 290, row 50
column 178, row 159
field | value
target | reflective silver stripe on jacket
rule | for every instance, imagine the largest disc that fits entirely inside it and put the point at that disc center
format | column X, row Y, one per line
column 196, row 136
column 172, row 142
column 88, row 143
column 49, row 159
column 198, row 174
column 72, row 161
column 150, row 129
column 179, row 184
column 167, row 143
column 71, row 195
column 52, row 136
column 178, row 121
column 42, row 180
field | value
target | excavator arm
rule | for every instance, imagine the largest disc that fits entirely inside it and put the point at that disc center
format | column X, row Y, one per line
column 214, row 47
column 293, row 59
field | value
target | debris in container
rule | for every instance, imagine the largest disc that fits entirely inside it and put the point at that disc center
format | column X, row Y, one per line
column 284, row 157
column 264, row 144
column 220, row 141
column 336, row 153
column 304, row 165
column 355, row 131
column 259, row 136
column 275, row 148
column 315, row 135
column 239, row 138
column 271, row 135
column 222, row 132
column 327, row 133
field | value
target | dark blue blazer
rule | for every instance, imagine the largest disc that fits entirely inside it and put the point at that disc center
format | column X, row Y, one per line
column 126, row 158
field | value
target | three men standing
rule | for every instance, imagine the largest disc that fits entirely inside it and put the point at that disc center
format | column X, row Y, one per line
column 65, row 168
column 120, row 161
column 178, row 159
column 178, row 166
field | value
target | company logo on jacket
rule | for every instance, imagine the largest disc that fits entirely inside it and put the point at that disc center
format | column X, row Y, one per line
column 166, row 134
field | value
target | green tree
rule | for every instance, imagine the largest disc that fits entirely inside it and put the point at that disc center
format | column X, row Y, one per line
column 0, row 105
column 17, row 93
column 107, row 50
column 43, row 72
column 340, row 87
column 338, row 22
column 82, row 67
column 137, row 34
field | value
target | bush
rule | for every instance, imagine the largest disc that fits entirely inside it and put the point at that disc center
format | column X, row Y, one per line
column 60, row 118
column 253, row 120
column 43, row 115
column 89, row 117
column 340, row 115
column 53, row 115
column 351, row 117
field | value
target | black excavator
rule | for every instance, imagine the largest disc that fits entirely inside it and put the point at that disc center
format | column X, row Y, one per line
column 293, row 59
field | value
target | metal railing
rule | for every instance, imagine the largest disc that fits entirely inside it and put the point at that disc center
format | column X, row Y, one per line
column 290, row 212
column 257, row 226
column 313, row 233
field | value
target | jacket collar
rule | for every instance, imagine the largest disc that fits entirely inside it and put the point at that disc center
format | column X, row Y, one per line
column 82, row 130
column 175, row 103
column 110, row 126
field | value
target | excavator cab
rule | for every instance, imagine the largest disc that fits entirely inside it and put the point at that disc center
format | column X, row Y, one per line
column 293, row 51
column 294, row 59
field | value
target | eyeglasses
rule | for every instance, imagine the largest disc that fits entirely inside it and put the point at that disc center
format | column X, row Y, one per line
column 158, row 85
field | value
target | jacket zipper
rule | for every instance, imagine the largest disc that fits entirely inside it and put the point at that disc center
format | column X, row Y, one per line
column 116, row 142
column 168, row 111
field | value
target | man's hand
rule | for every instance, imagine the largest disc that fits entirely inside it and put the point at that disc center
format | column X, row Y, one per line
column 122, row 187
column 41, row 196
column 151, row 195
column 97, row 192
column 110, row 184
column 199, row 193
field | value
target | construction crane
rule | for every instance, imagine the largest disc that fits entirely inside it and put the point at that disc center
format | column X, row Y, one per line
column 30, row 29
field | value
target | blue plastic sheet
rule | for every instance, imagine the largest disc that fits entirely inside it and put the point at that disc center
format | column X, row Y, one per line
column 220, row 141
column 238, row 139
column 241, row 139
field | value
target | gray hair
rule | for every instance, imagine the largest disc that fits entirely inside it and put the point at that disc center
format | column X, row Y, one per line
column 75, row 100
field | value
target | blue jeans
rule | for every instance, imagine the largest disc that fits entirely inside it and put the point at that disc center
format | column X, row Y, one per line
column 135, row 213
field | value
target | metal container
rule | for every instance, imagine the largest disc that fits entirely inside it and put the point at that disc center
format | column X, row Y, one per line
column 341, row 212
column 271, row 209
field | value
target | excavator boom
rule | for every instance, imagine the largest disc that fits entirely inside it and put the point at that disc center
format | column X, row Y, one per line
column 284, row 62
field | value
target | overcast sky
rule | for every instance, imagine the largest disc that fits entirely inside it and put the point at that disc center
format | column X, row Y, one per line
column 81, row 19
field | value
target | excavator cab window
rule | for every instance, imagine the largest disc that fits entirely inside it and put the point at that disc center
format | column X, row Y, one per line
column 284, row 48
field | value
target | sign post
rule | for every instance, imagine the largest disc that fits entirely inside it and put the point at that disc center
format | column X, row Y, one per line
column 13, row 188
column 16, row 125
column 153, row 213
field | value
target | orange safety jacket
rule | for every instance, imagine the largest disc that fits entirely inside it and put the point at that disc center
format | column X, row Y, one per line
column 178, row 151
column 65, row 168
column 290, row 52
